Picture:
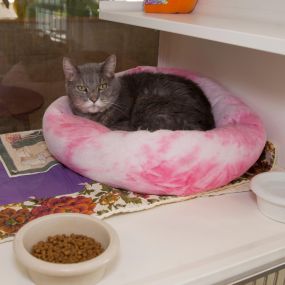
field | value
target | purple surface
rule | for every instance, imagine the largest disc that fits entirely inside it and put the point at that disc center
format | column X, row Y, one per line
column 58, row 180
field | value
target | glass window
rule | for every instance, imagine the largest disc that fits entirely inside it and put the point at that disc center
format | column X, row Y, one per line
column 36, row 34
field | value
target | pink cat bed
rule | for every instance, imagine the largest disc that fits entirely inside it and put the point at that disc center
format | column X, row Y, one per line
column 161, row 162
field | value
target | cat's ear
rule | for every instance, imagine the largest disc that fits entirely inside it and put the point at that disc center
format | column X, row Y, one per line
column 69, row 69
column 109, row 66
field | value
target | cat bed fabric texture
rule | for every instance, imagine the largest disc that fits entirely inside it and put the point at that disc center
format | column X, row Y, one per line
column 162, row 162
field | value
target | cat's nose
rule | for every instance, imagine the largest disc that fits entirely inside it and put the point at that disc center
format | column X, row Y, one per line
column 93, row 98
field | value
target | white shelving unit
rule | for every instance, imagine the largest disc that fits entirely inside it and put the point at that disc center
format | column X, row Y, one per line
column 241, row 44
column 226, row 24
column 216, row 240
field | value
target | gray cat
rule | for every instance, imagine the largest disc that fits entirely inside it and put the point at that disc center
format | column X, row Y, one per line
column 143, row 101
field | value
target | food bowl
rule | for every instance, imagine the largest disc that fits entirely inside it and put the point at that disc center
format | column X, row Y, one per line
column 269, row 188
column 81, row 273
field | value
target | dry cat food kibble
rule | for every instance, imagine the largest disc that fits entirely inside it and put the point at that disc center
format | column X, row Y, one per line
column 67, row 248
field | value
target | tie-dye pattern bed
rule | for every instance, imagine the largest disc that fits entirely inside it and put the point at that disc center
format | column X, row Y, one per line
column 44, row 186
column 162, row 162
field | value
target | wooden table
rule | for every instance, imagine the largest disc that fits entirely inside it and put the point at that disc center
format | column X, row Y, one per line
column 18, row 102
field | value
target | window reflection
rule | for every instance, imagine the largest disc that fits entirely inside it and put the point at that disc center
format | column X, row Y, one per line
column 36, row 34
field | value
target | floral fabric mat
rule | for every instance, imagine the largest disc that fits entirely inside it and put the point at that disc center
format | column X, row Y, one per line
column 103, row 201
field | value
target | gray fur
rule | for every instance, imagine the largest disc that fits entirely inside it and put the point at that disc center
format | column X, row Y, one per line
column 137, row 101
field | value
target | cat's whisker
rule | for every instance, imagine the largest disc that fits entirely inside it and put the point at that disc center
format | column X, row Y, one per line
column 114, row 104
column 116, row 107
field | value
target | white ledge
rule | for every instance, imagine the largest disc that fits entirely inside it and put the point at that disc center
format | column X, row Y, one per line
column 258, row 29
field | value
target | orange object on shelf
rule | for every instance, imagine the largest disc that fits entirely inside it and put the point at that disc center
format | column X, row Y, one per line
column 169, row 6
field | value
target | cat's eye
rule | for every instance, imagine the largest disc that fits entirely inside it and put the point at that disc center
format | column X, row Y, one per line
column 102, row 86
column 82, row 88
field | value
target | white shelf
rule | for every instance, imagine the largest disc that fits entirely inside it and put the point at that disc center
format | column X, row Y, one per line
column 203, row 241
column 258, row 29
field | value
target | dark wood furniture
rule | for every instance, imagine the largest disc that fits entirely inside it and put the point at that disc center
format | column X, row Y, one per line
column 18, row 102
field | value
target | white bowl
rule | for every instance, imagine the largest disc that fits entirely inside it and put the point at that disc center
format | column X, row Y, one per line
column 269, row 188
column 81, row 273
